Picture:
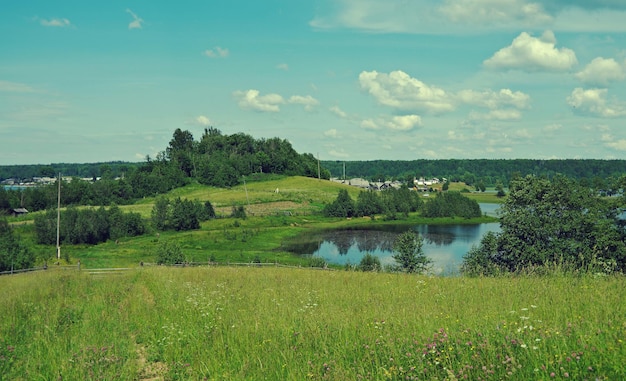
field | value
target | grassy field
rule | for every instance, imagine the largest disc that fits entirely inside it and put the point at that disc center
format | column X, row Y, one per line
column 226, row 323
column 273, row 217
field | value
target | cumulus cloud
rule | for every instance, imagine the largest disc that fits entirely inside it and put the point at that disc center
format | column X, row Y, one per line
column 137, row 21
column 339, row 112
column 611, row 142
column 594, row 101
column 307, row 101
column 402, row 92
column 282, row 66
column 530, row 53
column 395, row 123
column 601, row 72
column 462, row 16
column 252, row 100
column 493, row 100
column 217, row 52
column 202, row 120
column 399, row 90
column 55, row 22
column 506, row 114
column 495, row 12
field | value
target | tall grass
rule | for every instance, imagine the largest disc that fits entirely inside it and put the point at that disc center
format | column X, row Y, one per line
column 297, row 324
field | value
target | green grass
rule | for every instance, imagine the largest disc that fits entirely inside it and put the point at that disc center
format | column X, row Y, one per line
column 273, row 218
column 224, row 323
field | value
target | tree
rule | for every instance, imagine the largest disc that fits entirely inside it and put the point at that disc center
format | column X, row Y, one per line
column 160, row 213
column 13, row 254
column 343, row 206
column 169, row 253
column 545, row 222
column 409, row 253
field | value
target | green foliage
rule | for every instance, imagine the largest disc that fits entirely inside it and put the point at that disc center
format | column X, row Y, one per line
column 343, row 206
column 89, row 226
column 368, row 203
column 547, row 222
column 14, row 254
column 409, row 253
column 451, row 204
column 186, row 214
column 369, row 262
column 238, row 212
column 169, row 253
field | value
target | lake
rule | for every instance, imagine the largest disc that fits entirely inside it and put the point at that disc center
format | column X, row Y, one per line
column 444, row 244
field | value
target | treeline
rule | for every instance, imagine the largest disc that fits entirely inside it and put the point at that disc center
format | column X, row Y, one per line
column 216, row 159
column 82, row 170
column 88, row 226
column 597, row 173
column 394, row 203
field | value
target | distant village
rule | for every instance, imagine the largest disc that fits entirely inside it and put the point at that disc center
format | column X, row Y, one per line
column 420, row 185
column 39, row 181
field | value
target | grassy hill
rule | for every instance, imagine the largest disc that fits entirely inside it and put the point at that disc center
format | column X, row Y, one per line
column 225, row 323
column 277, row 209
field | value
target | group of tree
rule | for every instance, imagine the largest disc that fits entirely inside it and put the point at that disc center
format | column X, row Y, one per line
column 88, row 226
column 598, row 174
column 451, row 204
column 556, row 222
column 14, row 255
column 216, row 159
column 180, row 214
column 389, row 202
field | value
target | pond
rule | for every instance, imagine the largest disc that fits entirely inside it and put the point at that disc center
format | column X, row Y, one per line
column 444, row 244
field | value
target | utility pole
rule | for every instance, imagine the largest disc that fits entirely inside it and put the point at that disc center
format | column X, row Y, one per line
column 246, row 189
column 58, row 217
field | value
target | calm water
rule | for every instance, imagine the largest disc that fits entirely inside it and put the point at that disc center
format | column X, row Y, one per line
column 445, row 245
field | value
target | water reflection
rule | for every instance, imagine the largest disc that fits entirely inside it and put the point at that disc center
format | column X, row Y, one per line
column 445, row 245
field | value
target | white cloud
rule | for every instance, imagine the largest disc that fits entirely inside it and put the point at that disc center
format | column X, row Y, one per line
column 339, row 112
column 601, row 72
column 137, row 21
column 251, row 99
column 471, row 16
column 217, row 52
column 493, row 100
column 495, row 12
column 395, row 123
column 307, row 101
column 505, row 114
column 55, row 22
column 201, row 120
column 369, row 124
column 619, row 145
column 15, row 87
column 533, row 54
column 397, row 89
column 594, row 101
column 404, row 122
column 332, row 133
column 282, row 66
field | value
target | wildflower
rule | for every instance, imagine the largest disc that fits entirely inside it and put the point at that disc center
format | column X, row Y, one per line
column 552, row 374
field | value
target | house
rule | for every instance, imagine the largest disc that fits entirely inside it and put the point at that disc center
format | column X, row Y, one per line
column 18, row 212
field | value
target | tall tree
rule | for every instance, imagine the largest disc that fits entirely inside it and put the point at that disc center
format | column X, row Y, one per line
column 409, row 253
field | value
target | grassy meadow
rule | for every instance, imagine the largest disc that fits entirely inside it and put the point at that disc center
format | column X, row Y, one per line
column 271, row 323
column 278, row 209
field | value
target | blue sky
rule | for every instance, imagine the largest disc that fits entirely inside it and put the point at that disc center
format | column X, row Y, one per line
column 344, row 80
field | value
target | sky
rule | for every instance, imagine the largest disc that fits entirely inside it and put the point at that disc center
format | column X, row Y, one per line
column 86, row 81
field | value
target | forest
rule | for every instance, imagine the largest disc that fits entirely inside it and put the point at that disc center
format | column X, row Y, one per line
column 489, row 171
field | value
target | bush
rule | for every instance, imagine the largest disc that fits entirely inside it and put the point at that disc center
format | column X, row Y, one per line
column 370, row 263
column 169, row 253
